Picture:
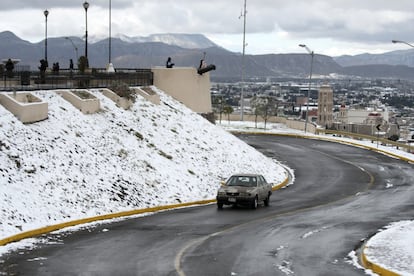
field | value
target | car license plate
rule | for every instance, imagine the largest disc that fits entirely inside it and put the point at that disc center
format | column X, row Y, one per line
column 232, row 199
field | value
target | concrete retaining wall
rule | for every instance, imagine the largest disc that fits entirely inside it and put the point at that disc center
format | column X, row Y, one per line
column 185, row 85
column 119, row 101
column 148, row 94
column 25, row 106
column 88, row 105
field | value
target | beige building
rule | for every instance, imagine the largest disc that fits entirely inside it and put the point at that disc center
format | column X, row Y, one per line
column 361, row 115
column 343, row 114
column 365, row 121
column 325, row 106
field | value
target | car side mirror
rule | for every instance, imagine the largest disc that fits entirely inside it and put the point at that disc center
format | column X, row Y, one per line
column 223, row 183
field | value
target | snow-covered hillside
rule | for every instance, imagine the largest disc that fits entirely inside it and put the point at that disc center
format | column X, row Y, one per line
column 73, row 165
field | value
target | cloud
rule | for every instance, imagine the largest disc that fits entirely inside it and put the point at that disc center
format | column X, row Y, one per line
column 348, row 23
column 353, row 21
column 12, row 5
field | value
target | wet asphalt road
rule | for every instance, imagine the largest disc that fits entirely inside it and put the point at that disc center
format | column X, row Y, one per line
column 340, row 196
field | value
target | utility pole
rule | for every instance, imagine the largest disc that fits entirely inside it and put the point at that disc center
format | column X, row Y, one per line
column 242, row 69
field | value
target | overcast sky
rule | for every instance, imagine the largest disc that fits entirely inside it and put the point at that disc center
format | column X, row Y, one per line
column 335, row 27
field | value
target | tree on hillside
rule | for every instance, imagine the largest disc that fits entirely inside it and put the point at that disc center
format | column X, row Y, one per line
column 264, row 106
column 256, row 109
column 228, row 110
column 218, row 103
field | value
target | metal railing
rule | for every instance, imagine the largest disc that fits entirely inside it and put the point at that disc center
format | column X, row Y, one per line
column 63, row 79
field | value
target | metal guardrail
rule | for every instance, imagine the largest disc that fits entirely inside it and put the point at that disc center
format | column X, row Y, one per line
column 373, row 139
column 99, row 78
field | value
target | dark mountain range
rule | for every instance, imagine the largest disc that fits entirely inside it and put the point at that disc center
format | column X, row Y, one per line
column 383, row 71
column 153, row 51
column 400, row 57
column 297, row 64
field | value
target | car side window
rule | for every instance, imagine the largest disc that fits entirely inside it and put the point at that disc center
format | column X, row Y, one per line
column 250, row 182
column 263, row 180
column 259, row 181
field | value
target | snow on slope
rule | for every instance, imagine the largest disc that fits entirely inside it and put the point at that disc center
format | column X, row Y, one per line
column 188, row 41
column 73, row 165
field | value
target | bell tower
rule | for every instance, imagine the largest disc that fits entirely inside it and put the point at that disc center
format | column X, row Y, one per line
column 325, row 106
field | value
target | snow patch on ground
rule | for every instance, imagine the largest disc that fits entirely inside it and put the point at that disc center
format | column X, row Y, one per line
column 310, row 233
column 393, row 247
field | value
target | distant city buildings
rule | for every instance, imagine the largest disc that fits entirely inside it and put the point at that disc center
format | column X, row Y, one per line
column 358, row 106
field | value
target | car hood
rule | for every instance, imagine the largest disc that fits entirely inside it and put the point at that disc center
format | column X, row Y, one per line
column 234, row 189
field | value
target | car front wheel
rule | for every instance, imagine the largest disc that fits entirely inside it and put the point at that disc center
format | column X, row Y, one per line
column 255, row 203
column 219, row 205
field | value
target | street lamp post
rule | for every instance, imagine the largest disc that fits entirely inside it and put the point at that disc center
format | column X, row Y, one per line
column 46, row 13
column 403, row 42
column 86, row 6
column 310, row 80
column 74, row 46
column 110, row 23
column 412, row 46
column 110, row 66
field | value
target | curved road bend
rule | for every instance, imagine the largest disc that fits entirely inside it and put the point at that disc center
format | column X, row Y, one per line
column 340, row 196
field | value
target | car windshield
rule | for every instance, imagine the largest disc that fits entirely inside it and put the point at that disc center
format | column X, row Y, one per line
column 246, row 181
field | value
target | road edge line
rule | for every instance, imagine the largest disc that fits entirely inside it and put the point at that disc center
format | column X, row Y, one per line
column 294, row 135
column 50, row 228
column 59, row 226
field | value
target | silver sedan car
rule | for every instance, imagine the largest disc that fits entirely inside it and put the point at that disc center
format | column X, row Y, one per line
column 244, row 189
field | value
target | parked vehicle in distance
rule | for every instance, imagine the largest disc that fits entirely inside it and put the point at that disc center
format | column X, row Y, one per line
column 244, row 189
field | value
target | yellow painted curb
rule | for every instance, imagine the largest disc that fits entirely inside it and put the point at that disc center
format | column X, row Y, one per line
column 374, row 267
column 330, row 140
column 51, row 228
column 55, row 227
column 279, row 186
column 367, row 147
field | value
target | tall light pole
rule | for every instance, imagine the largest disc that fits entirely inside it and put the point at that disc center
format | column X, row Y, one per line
column 412, row 46
column 403, row 42
column 86, row 6
column 310, row 80
column 242, row 69
column 110, row 23
column 46, row 13
column 74, row 46
column 110, row 66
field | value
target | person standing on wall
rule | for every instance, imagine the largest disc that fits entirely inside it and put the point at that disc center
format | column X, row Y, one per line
column 9, row 68
column 169, row 63
column 203, row 63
